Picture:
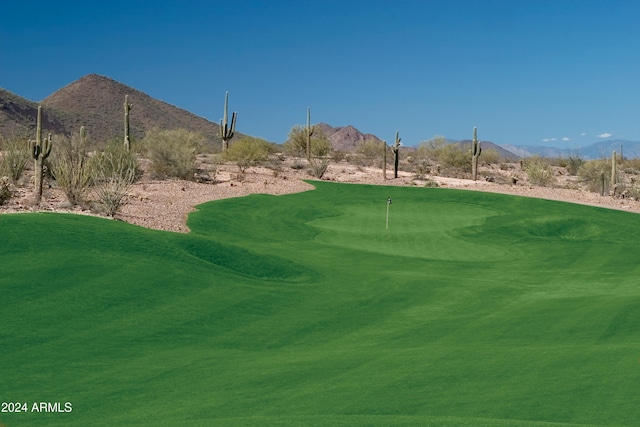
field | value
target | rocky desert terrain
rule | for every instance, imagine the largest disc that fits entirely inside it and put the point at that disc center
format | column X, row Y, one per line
column 165, row 204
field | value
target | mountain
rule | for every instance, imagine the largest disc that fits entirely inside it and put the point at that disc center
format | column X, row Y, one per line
column 345, row 138
column 18, row 116
column 597, row 150
column 488, row 145
column 96, row 102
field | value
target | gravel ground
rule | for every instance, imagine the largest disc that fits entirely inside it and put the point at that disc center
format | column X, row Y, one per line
column 164, row 205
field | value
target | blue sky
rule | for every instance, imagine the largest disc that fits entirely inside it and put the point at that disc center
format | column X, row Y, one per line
column 559, row 73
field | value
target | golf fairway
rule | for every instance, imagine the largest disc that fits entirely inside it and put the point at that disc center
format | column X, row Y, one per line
column 471, row 309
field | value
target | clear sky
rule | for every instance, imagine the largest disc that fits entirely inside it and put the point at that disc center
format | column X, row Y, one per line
column 559, row 73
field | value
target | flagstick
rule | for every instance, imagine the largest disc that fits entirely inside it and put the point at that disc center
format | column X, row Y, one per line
column 388, row 203
column 387, row 216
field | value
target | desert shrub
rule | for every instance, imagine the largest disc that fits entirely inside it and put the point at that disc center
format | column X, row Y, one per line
column 247, row 151
column 539, row 171
column 446, row 154
column 318, row 166
column 172, row 152
column 338, row 156
column 15, row 155
column 320, row 157
column 71, row 167
column 431, row 184
column 114, row 171
column 573, row 163
column 371, row 152
column 631, row 166
column 5, row 190
column 596, row 175
column 296, row 145
column 211, row 165
column 490, row 156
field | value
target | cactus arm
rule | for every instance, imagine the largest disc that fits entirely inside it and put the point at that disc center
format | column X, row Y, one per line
column 396, row 154
column 227, row 130
column 309, row 132
column 233, row 125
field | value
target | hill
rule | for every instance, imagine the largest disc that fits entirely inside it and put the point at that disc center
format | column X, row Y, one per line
column 488, row 145
column 96, row 102
column 345, row 138
column 18, row 116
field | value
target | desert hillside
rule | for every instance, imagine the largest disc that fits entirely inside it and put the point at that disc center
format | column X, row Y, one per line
column 96, row 102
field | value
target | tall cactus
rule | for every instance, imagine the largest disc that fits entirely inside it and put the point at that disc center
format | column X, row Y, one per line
column 308, row 132
column 226, row 130
column 40, row 150
column 127, row 108
column 396, row 154
column 475, row 153
column 384, row 160
column 613, row 174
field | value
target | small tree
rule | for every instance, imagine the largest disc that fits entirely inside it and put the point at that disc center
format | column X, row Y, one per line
column 441, row 151
column 173, row 152
column 247, row 152
column 296, row 145
column 320, row 156
column 320, row 149
column 370, row 152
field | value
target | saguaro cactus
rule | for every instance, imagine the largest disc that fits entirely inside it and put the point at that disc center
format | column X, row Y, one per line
column 308, row 132
column 475, row 153
column 396, row 154
column 384, row 160
column 613, row 173
column 226, row 130
column 127, row 108
column 40, row 150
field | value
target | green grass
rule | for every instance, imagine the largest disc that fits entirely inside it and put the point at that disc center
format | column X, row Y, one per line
column 473, row 309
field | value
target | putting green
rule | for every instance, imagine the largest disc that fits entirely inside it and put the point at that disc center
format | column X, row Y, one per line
column 470, row 309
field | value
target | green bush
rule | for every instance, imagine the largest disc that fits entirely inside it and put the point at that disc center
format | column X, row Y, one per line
column 371, row 152
column 490, row 156
column 539, row 171
column 172, row 152
column 247, row 151
column 446, row 154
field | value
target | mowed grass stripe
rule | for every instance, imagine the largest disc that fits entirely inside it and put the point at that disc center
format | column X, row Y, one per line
column 471, row 309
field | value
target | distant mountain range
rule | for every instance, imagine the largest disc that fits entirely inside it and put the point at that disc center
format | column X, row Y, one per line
column 597, row 150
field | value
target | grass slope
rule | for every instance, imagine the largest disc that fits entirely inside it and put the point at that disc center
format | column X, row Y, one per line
column 472, row 309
